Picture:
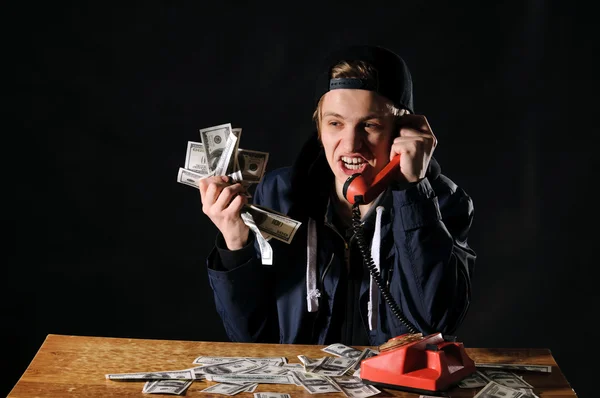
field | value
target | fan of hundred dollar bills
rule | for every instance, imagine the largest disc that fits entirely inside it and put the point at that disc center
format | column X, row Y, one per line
column 218, row 154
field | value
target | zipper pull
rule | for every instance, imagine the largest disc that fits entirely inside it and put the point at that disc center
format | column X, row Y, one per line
column 347, row 256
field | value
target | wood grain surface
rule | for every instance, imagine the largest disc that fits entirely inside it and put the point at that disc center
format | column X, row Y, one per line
column 75, row 366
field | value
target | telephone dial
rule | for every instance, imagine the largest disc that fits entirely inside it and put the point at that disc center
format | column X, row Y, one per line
column 412, row 362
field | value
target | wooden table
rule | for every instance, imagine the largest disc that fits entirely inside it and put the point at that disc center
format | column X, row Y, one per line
column 75, row 366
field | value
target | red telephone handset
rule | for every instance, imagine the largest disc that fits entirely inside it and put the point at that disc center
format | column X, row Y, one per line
column 356, row 189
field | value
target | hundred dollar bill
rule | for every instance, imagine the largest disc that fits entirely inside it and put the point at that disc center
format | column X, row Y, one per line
column 233, row 165
column 293, row 366
column 366, row 353
column 505, row 378
column 211, row 360
column 273, row 224
column 354, row 387
column 252, row 164
column 239, row 366
column 333, row 366
column 474, row 380
column 309, row 363
column 226, row 159
column 271, row 395
column 267, row 370
column 242, row 378
column 528, row 392
column 236, row 176
column 495, row 390
column 189, row 177
column 214, row 140
column 172, row 387
column 226, row 389
column 251, row 387
column 315, row 384
column 186, row 374
column 341, row 350
column 266, row 251
column 514, row 366
column 195, row 158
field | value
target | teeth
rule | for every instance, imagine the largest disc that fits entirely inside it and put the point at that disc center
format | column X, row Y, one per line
column 350, row 161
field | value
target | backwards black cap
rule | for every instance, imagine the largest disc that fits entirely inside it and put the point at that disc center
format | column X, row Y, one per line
column 393, row 79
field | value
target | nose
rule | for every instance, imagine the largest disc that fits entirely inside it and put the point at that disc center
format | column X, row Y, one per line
column 353, row 138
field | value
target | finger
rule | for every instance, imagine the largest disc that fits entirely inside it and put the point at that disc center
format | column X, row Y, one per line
column 410, row 146
column 202, row 185
column 428, row 139
column 236, row 205
column 411, row 132
column 205, row 182
column 227, row 195
column 213, row 192
column 412, row 140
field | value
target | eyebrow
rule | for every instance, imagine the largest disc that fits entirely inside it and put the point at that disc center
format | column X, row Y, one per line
column 369, row 116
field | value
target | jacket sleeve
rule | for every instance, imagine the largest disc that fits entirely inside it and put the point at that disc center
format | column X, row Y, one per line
column 243, row 290
column 432, row 273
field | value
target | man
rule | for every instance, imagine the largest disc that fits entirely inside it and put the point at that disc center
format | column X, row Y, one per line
column 318, row 289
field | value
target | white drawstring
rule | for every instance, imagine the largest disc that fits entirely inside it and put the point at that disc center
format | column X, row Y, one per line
column 312, row 293
column 266, row 251
column 375, row 253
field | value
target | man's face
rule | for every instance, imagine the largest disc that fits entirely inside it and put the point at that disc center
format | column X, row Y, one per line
column 356, row 132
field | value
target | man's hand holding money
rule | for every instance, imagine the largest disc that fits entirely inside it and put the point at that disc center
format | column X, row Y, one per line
column 222, row 202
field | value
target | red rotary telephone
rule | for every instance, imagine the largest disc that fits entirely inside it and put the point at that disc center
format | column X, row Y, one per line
column 423, row 365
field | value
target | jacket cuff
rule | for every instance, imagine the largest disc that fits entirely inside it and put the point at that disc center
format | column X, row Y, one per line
column 230, row 259
column 418, row 205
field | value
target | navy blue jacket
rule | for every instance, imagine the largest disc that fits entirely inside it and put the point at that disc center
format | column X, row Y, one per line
column 425, row 260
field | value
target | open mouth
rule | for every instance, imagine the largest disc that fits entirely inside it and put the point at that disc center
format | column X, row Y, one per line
column 352, row 165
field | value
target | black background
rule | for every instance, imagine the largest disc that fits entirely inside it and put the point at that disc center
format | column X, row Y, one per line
column 105, row 242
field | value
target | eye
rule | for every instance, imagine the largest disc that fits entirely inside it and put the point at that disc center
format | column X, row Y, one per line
column 372, row 126
column 333, row 123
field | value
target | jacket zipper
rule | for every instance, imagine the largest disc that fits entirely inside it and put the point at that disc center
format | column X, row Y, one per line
column 346, row 251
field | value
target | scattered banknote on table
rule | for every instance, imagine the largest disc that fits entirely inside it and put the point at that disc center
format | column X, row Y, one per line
column 171, row 387
column 187, row 374
column 514, row 366
column 234, row 375
column 208, row 360
column 338, row 372
column 495, row 390
column 474, row 380
column 354, row 387
column 484, row 378
column 230, row 389
column 218, row 154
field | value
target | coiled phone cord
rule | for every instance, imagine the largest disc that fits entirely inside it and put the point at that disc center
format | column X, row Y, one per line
column 362, row 245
